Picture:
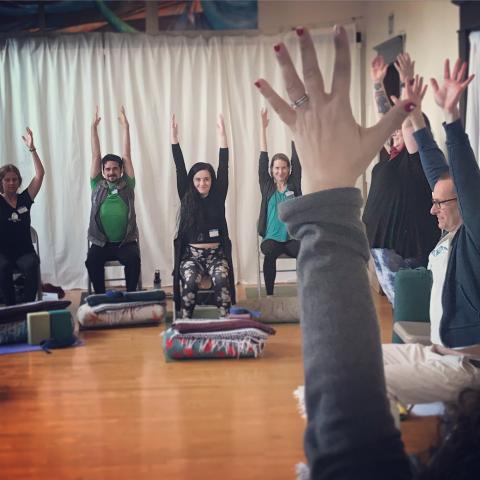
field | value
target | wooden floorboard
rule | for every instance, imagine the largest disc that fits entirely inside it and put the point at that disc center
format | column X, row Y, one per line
column 114, row 409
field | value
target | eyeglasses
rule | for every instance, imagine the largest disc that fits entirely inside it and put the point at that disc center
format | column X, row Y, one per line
column 439, row 203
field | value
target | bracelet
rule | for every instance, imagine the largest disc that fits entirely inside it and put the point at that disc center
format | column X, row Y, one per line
column 32, row 149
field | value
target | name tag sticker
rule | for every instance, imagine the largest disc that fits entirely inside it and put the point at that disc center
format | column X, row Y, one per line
column 114, row 191
column 22, row 210
column 213, row 232
column 288, row 193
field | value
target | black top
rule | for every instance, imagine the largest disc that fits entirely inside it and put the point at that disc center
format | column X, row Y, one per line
column 211, row 225
column 268, row 186
column 397, row 212
column 15, row 237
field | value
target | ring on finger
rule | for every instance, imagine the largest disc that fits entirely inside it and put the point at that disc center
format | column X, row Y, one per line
column 301, row 101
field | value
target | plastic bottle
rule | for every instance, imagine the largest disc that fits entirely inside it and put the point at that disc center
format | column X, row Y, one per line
column 157, row 283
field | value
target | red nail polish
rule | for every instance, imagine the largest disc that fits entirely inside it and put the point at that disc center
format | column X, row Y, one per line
column 300, row 31
column 277, row 47
column 257, row 84
column 409, row 107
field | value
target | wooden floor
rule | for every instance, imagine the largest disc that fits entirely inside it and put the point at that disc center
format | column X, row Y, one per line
column 114, row 409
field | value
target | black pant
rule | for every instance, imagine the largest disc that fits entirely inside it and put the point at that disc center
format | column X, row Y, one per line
column 27, row 265
column 272, row 250
column 128, row 255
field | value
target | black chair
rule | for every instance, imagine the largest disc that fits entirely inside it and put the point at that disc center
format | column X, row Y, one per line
column 17, row 273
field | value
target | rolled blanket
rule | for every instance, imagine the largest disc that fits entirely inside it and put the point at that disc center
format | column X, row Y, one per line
column 13, row 332
column 213, row 325
column 126, row 297
column 150, row 313
column 103, row 307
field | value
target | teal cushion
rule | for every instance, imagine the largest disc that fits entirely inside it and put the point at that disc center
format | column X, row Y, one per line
column 412, row 296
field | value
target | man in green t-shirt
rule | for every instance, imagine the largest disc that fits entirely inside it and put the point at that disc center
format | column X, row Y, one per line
column 112, row 231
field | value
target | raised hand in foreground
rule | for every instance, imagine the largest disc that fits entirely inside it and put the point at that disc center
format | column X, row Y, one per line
column 334, row 149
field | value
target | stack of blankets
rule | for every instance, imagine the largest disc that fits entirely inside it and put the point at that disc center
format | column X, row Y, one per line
column 117, row 308
column 14, row 327
column 238, row 336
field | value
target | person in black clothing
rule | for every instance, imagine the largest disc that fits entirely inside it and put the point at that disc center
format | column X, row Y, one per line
column 400, row 230
column 202, row 245
column 16, row 248
column 277, row 184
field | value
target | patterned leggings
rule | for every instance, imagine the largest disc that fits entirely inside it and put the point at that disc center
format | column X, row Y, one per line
column 197, row 263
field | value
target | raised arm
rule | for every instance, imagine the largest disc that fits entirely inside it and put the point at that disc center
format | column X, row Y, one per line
column 126, row 152
column 182, row 176
column 263, row 129
column 263, row 161
column 296, row 174
column 381, row 103
column 222, row 170
column 341, row 341
column 378, row 71
column 95, row 167
column 405, row 67
column 37, row 180
column 463, row 166
column 433, row 160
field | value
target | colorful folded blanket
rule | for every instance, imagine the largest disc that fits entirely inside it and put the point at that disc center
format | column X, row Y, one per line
column 236, row 344
column 116, row 296
column 236, row 337
column 112, row 315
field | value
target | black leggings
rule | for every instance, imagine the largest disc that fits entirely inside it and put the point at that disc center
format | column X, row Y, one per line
column 27, row 264
column 272, row 250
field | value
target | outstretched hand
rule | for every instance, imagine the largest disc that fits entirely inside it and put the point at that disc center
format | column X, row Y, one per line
column 265, row 119
column 378, row 69
column 405, row 67
column 221, row 125
column 174, row 130
column 222, row 134
column 123, row 117
column 448, row 94
column 334, row 149
column 96, row 118
column 415, row 91
column 28, row 139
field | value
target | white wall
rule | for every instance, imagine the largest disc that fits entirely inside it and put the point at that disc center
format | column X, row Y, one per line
column 275, row 15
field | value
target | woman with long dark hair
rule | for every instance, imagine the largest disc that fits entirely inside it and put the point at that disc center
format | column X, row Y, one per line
column 16, row 248
column 202, row 245
column 279, row 180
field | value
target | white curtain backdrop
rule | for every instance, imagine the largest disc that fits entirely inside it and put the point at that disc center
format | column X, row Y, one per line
column 53, row 84
column 472, row 126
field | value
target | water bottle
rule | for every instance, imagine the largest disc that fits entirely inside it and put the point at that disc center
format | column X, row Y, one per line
column 157, row 283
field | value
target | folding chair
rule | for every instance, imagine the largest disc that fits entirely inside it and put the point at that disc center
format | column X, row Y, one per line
column 260, row 258
column 17, row 273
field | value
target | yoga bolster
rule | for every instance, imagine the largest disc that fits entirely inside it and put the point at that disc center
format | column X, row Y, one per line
column 122, row 297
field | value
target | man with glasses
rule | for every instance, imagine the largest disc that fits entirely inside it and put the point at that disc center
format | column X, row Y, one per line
column 439, row 372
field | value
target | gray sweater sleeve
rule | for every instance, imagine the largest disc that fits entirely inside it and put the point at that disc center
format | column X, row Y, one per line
column 350, row 431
